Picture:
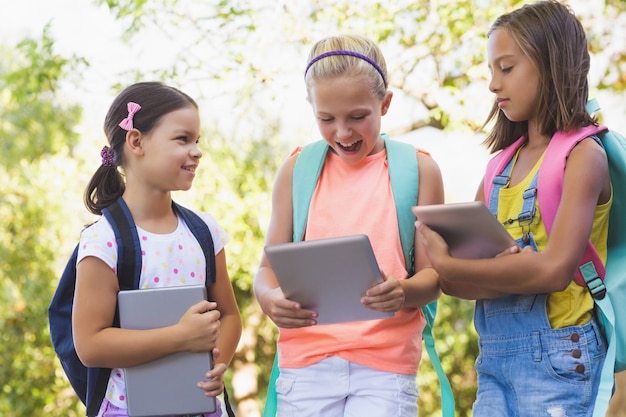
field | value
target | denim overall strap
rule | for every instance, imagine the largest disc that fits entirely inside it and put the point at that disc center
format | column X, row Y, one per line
column 530, row 201
column 513, row 303
column 499, row 181
column 530, row 195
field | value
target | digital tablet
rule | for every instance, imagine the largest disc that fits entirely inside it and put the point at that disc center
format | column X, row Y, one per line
column 165, row 386
column 328, row 276
column 469, row 229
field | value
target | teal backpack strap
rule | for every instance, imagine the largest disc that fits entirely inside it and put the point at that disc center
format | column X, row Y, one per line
column 305, row 174
column 403, row 173
column 606, row 316
column 271, row 400
column 610, row 309
column 592, row 106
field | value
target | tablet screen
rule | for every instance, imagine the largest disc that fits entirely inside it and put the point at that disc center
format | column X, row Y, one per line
column 328, row 276
column 469, row 229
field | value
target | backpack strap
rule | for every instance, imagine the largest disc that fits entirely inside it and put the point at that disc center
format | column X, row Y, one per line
column 305, row 174
column 404, row 177
column 550, row 188
column 128, row 246
column 128, row 273
column 403, row 174
column 201, row 232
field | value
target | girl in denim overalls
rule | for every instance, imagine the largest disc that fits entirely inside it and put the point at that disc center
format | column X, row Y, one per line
column 541, row 350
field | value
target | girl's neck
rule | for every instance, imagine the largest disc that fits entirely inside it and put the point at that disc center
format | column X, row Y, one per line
column 152, row 212
column 534, row 138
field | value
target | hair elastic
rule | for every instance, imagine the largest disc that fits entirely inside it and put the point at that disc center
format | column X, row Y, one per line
column 127, row 123
column 349, row 53
column 107, row 156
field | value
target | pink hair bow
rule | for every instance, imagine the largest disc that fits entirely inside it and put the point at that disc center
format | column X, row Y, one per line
column 127, row 123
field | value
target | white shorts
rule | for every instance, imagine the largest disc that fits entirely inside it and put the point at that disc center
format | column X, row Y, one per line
column 335, row 387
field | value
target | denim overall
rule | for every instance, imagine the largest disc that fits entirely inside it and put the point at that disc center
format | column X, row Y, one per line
column 525, row 368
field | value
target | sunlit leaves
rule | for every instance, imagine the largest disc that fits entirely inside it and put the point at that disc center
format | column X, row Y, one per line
column 36, row 126
column 36, row 120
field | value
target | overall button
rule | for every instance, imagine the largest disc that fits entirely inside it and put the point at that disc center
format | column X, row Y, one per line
column 576, row 353
column 574, row 337
column 580, row 369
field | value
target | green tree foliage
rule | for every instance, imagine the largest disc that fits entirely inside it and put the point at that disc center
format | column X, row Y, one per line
column 31, row 128
column 435, row 52
column 242, row 56
column 35, row 124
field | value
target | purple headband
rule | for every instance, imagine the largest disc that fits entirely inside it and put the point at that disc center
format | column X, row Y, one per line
column 349, row 53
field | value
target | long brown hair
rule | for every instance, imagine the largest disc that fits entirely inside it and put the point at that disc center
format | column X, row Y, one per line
column 549, row 33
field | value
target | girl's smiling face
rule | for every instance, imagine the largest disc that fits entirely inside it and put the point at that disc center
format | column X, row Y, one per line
column 349, row 116
column 171, row 153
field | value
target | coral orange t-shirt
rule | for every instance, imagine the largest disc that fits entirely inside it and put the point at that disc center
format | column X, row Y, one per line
column 355, row 199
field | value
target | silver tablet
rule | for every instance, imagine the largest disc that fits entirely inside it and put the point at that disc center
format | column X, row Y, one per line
column 469, row 229
column 165, row 386
column 328, row 276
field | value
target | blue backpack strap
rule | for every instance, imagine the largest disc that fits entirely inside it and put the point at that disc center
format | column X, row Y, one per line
column 611, row 291
column 404, row 177
column 128, row 273
column 201, row 232
column 128, row 246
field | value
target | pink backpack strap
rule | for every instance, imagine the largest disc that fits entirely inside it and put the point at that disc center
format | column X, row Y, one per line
column 496, row 165
column 550, row 187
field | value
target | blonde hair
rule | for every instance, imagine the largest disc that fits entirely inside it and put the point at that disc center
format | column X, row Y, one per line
column 333, row 66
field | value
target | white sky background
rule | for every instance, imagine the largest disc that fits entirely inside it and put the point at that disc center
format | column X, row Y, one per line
column 79, row 27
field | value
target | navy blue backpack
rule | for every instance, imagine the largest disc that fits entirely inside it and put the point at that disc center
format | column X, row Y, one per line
column 90, row 383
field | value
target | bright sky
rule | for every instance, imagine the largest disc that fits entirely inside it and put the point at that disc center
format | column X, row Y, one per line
column 78, row 27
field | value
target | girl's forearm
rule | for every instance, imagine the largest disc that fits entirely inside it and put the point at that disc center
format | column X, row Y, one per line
column 122, row 348
column 227, row 341
column 421, row 289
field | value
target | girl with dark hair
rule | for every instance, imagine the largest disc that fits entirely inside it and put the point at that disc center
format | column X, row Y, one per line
column 153, row 132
